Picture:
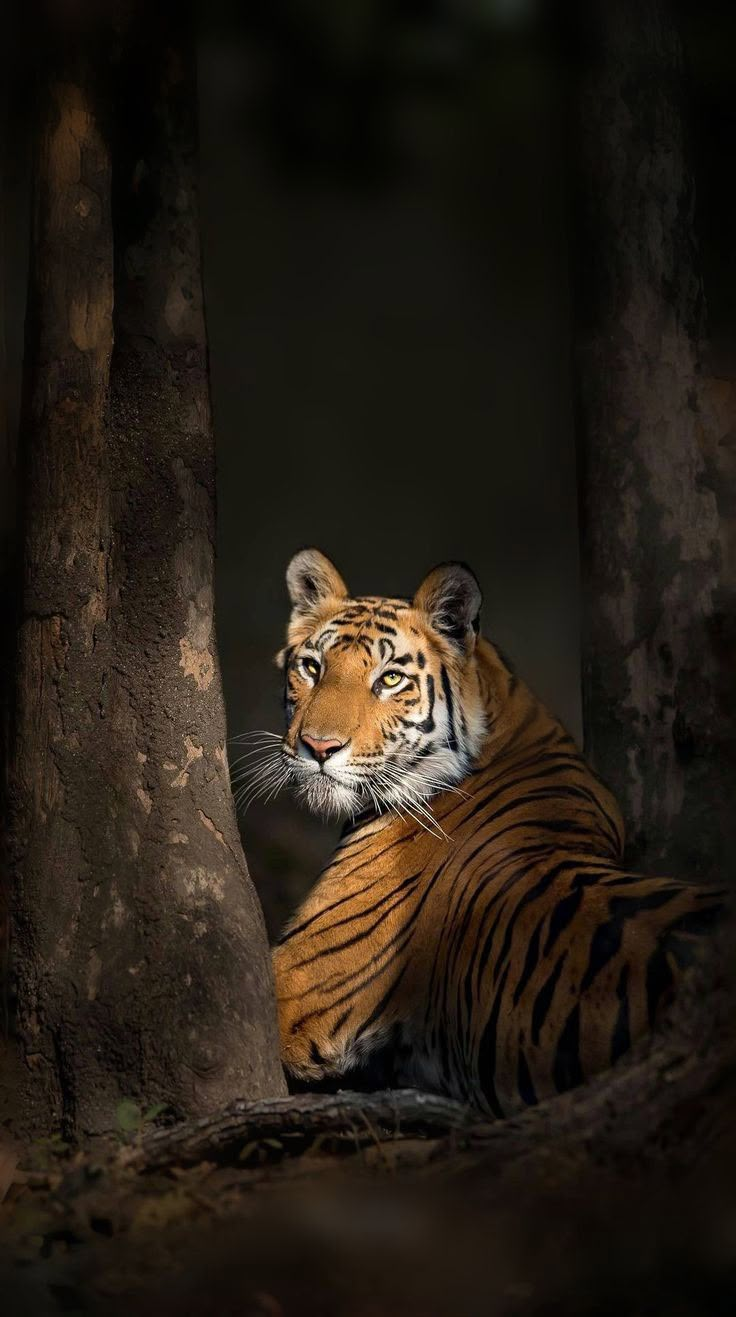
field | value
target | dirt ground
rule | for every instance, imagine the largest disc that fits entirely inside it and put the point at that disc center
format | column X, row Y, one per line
column 410, row 1227
column 616, row 1198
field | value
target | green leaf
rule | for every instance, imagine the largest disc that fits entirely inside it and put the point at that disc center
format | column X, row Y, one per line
column 128, row 1115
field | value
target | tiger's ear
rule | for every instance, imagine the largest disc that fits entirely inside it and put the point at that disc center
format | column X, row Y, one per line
column 311, row 581
column 451, row 597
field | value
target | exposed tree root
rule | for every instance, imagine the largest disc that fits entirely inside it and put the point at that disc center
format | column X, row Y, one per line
column 358, row 1118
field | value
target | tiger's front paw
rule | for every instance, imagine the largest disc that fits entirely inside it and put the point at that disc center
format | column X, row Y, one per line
column 302, row 1057
column 305, row 1051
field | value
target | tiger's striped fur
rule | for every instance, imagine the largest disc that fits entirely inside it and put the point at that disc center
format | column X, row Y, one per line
column 494, row 944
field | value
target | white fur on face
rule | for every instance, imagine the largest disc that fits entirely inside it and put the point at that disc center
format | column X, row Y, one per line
column 408, row 772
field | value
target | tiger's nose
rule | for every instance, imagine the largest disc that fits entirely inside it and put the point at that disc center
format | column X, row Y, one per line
column 320, row 748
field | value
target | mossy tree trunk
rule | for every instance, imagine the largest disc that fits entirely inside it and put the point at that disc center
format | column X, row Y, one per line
column 659, row 584
column 141, row 967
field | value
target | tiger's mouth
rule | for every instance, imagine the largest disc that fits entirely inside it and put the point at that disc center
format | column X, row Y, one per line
column 348, row 789
column 347, row 786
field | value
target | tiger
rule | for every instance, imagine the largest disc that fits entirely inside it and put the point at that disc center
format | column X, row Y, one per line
column 475, row 933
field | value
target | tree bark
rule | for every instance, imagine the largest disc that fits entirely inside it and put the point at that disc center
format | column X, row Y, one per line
column 12, row 141
column 659, row 592
column 140, row 957
column 7, row 527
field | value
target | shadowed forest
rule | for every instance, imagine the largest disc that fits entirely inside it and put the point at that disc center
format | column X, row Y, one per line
column 416, row 282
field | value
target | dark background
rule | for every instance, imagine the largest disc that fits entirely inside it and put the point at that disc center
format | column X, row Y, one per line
column 386, row 230
column 386, row 277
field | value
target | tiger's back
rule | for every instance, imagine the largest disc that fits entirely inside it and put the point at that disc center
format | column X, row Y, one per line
column 499, row 951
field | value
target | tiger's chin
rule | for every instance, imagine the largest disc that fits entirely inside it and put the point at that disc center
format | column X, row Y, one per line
column 329, row 798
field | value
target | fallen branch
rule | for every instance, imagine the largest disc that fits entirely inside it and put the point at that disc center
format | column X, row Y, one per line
column 361, row 1117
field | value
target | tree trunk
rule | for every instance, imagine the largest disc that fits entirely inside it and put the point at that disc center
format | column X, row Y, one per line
column 140, row 957
column 12, row 143
column 15, row 94
column 658, row 652
column 7, row 519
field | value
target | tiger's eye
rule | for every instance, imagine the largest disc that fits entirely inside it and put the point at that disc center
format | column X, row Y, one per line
column 311, row 666
column 390, row 679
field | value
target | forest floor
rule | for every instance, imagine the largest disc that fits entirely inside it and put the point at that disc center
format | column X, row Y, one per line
column 396, row 1224
column 616, row 1198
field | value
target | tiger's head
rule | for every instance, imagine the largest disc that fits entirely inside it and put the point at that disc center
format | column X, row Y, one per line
column 382, row 699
